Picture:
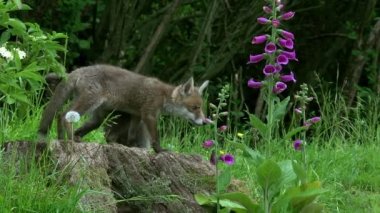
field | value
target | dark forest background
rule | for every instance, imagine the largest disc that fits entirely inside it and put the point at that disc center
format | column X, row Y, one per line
column 337, row 42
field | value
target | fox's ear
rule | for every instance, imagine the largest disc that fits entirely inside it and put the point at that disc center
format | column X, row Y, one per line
column 188, row 87
column 203, row 87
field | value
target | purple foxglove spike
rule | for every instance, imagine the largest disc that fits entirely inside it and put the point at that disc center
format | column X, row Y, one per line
column 263, row 20
column 287, row 43
column 275, row 23
column 287, row 35
column 259, row 39
column 256, row 58
column 270, row 48
column 208, row 144
column 288, row 78
column 278, row 68
column 287, row 15
column 254, row 84
column 297, row 144
column 290, row 55
column 269, row 70
column 267, row 10
column 282, row 59
column 279, row 87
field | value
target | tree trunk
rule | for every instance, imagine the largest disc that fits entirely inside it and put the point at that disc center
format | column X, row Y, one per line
column 129, row 179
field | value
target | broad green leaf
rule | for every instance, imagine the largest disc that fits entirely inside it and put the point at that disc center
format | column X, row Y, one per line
column 226, row 203
column 18, row 3
column 203, row 199
column 280, row 109
column 268, row 173
column 253, row 154
column 224, row 179
column 294, row 131
column 17, row 24
column 312, row 208
column 300, row 172
column 288, row 174
column 258, row 124
column 243, row 200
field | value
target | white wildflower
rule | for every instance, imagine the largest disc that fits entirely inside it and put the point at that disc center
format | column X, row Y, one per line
column 21, row 54
column 72, row 116
column 6, row 53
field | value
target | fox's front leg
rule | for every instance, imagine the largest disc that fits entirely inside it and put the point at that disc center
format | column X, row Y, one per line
column 151, row 124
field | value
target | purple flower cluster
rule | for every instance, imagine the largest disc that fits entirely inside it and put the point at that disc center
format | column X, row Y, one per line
column 278, row 50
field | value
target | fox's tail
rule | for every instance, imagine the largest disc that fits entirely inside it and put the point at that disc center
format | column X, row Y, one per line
column 62, row 92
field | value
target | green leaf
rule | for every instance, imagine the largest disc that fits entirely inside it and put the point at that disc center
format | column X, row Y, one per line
column 224, row 179
column 253, row 154
column 18, row 3
column 243, row 200
column 288, row 174
column 294, row 131
column 231, row 205
column 268, row 173
column 299, row 171
column 258, row 124
column 280, row 109
column 17, row 25
column 312, row 208
column 202, row 199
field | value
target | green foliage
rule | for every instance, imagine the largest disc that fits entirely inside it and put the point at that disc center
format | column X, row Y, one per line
column 27, row 53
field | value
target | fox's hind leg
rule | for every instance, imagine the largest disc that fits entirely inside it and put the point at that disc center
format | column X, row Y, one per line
column 94, row 122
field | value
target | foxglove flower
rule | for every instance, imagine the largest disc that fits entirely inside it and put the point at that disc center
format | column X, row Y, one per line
column 297, row 144
column 267, row 9
column 222, row 128
column 259, row 39
column 286, row 34
column 288, row 78
column 256, row 58
column 298, row 110
column 288, row 15
column 254, row 84
column 270, row 48
column 275, row 23
column 208, row 144
column 228, row 159
column 282, row 59
column 290, row 55
column 263, row 20
column 279, row 87
column 287, row 43
column 315, row 119
column 72, row 116
column 278, row 67
column 269, row 70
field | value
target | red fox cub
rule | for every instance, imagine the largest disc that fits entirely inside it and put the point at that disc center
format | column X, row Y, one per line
column 101, row 89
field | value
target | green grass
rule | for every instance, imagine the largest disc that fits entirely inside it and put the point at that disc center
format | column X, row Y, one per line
column 342, row 152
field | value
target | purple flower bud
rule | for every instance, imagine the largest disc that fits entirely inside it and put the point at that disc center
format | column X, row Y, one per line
column 254, row 84
column 228, row 159
column 315, row 119
column 307, row 124
column 269, row 69
column 286, row 34
column 275, row 23
column 290, row 55
column 288, row 78
column 208, row 144
column 259, row 39
column 298, row 110
column 222, row 128
column 288, row 15
column 263, row 20
column 280, row 7
column 279, row 87
column 297, row 144
column 213, row 157
column 267, row 10
column 282, row 59
column 270, row 48
column 287, row 43
column 256, row 58
column 207, row 121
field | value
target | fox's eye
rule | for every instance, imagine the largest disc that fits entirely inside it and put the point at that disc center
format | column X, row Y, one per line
column 195, row 107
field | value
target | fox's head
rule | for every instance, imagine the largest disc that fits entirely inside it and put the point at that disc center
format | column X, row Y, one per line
column 188, row 101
